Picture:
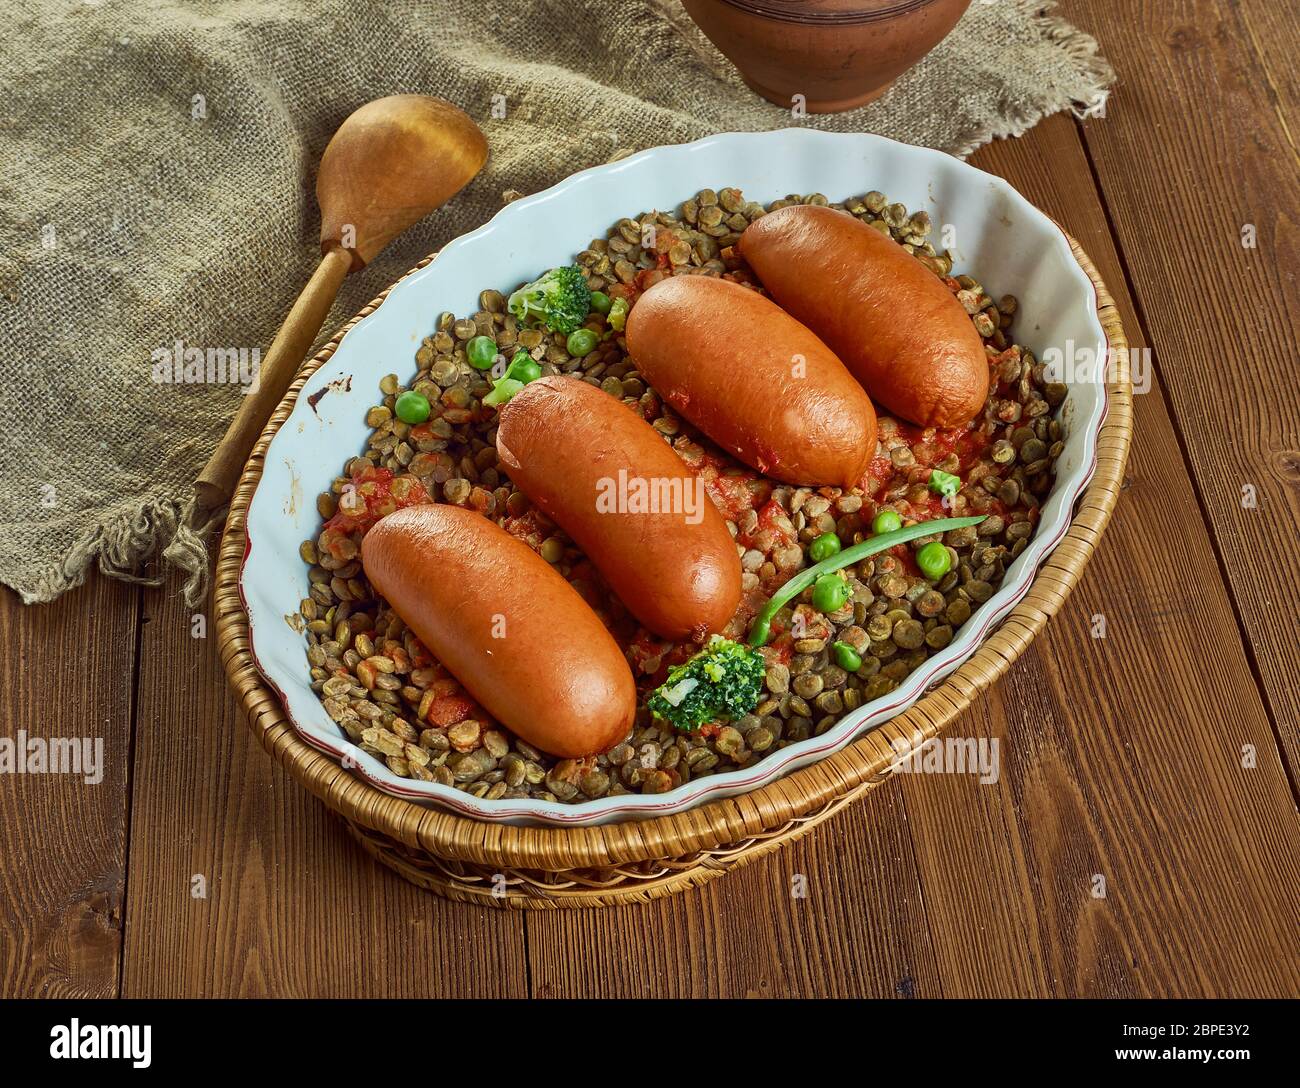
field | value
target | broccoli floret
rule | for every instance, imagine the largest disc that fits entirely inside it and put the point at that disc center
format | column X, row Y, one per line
column 722, row 682
column 503, row 389
column 617, row 316
column 560, row 299
column 522, row 370
column 944, row 483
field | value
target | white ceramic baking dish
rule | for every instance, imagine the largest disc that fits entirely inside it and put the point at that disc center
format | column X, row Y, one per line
column 995, row 234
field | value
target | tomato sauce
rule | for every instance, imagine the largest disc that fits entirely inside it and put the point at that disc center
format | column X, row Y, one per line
column 450, row 709
column 781, row 649
column 651, row 657
column 374, row 493
column 732, row 495
column 527, row 527
column 930, row 445
column 628, row 291
column 904, row 554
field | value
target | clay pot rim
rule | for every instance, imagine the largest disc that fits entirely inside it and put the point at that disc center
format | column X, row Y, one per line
column 789, row 11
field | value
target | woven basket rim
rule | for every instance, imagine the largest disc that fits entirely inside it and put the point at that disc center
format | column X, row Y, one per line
column 726, row 820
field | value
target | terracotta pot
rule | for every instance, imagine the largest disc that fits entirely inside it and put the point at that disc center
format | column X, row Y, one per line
column 838, row 54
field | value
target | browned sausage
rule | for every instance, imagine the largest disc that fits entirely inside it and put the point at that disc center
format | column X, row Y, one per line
column 606, row 477
column 896, row 326
column 506, row 625
column 753, row 379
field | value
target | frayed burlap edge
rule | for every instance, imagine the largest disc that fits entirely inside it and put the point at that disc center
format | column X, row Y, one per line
column 1085, row 97
column 135, row 546
column 158, row 534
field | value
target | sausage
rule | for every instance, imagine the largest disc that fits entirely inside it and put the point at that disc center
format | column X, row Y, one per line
column 518, row 637
column 606, row 477
column 900, row 331
column 753, row 379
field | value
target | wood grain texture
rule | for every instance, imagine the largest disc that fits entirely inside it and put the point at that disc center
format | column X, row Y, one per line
column 293, row 907
column 65, row 672
column 1199, row 143
column 861, row 929
column 1137, row 780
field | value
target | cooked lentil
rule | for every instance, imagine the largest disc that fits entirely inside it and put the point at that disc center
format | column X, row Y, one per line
column 392, row 698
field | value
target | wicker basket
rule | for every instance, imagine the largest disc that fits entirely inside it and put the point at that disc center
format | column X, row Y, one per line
column 545, row 867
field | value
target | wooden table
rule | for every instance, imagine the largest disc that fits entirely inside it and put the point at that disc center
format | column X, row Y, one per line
column 1122, row 756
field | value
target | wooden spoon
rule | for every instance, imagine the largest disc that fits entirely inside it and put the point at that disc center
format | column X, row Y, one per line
column 390, row 164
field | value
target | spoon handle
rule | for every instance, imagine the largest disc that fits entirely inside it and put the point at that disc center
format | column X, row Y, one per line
column 216, row 483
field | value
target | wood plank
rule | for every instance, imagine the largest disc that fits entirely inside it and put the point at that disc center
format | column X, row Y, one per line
column 66, row 672
column 860, row 932
column 1200, row 142
column 294, row 907
column 1274, row 36
column 1138, row 779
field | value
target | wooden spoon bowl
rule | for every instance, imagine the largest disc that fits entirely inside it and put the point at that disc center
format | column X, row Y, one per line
column 390, row 164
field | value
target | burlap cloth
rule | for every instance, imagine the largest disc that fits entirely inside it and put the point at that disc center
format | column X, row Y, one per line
column 157, row 185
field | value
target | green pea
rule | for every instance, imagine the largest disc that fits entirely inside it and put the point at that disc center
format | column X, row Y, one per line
column 580, row 342
column 944, row 483
column 412, row 407
column 482, row 352
column 887, row 521
column 934, row 560
column 601, row 302
column 846, row 657
column 830, row 592
column 824, row 547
